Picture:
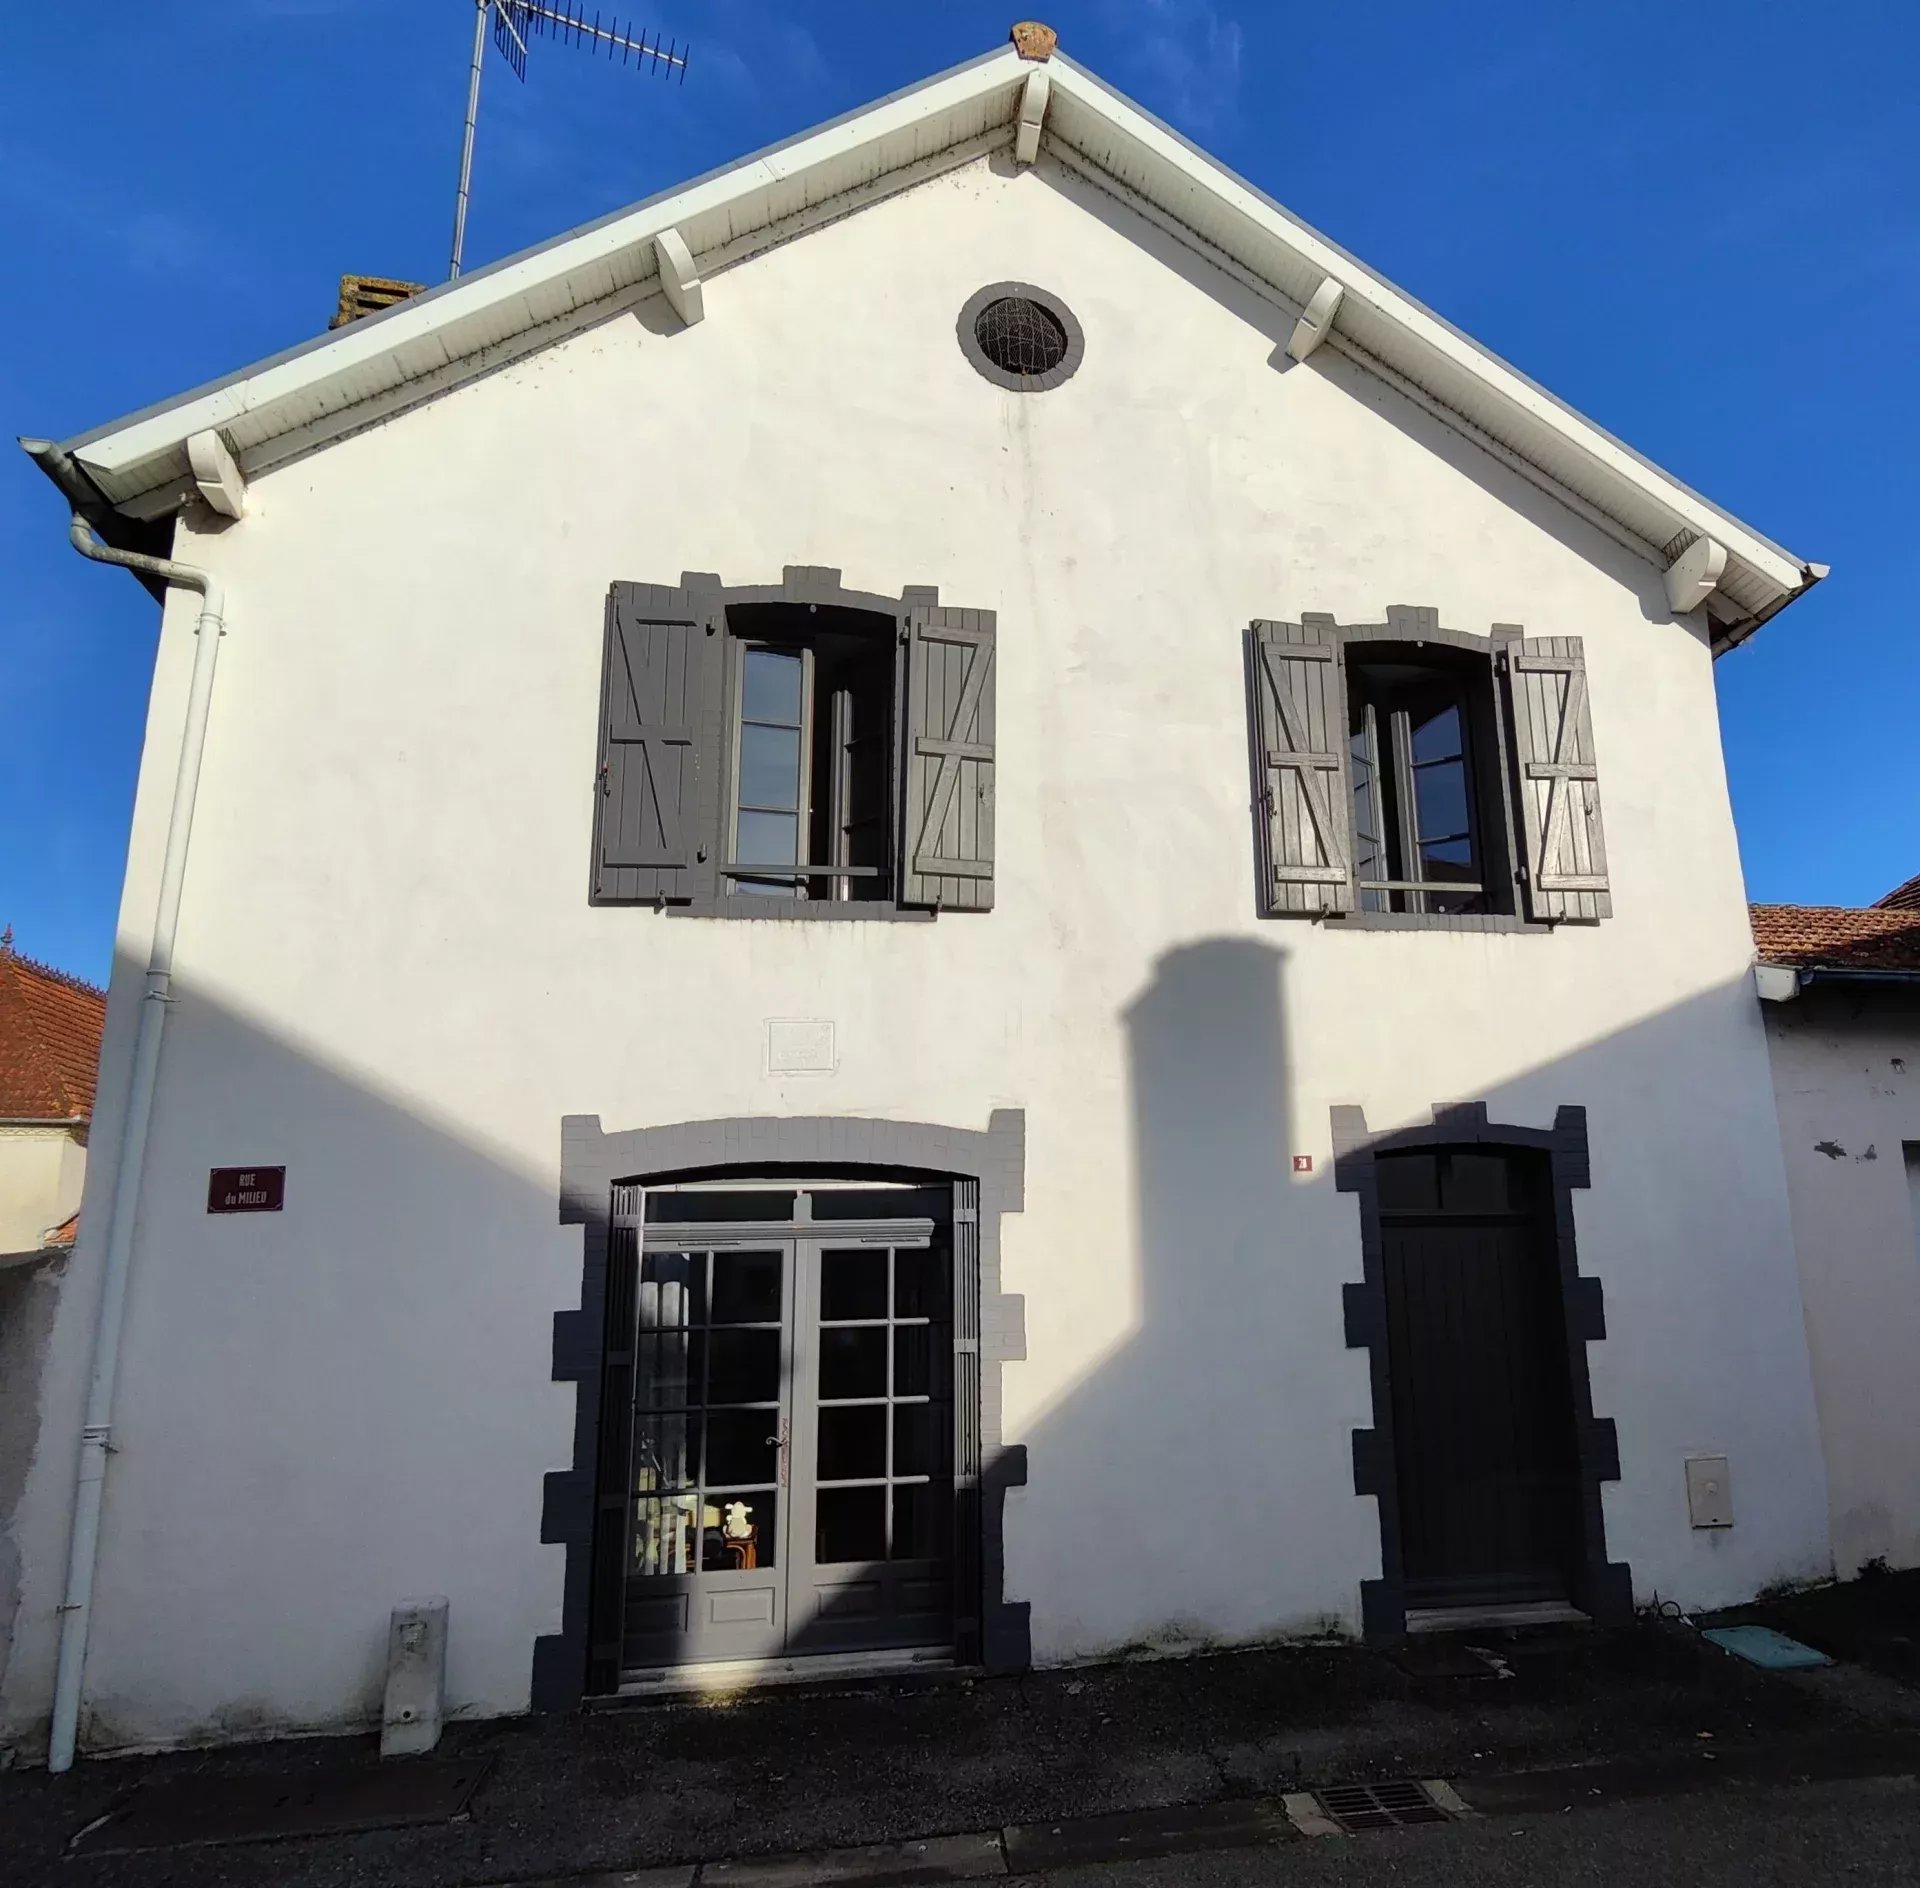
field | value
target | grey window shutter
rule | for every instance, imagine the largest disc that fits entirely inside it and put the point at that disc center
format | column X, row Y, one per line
column 1300, row 737
column 657, row 810
column 946, row 853
column 1564, row 850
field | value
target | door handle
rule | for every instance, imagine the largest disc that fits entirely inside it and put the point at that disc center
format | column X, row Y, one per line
column 780, row 1442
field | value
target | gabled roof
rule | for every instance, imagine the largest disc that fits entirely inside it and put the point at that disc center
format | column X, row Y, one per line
column 272, row 412
column 1837, row 937
column 49, row 1041
column 1902, row 898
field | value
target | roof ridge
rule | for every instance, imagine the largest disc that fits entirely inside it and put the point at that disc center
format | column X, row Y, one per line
column 72, row 979
column 1904, row 897
column 50, row 1028
column 1857, row 911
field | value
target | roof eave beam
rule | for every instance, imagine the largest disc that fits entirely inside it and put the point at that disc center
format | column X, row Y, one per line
column 1695, row 574
column 679, row 277
column 1316, row 321
column 217, row 474
column 1033, row 115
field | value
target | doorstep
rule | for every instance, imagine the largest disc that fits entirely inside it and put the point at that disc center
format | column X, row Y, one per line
column 1487, row 1618
column 730, row 1676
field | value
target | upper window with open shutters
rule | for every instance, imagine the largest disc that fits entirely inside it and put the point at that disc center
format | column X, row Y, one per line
column 794, row 750
column 1412, row 776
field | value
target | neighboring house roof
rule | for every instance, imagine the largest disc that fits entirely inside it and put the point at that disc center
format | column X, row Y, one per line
column 49, row 1041
column 295, row 402
column 1902, row 898
column 61, row 1237
column 1838, row 937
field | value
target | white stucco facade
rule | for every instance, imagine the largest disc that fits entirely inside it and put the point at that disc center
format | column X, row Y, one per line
column 391, row 979
column 1846, row 1073
column 42, row 1165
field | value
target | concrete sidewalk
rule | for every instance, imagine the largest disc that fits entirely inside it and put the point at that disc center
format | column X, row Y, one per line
column 795, row 1773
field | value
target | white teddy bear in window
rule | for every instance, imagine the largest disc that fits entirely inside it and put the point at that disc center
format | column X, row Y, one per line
column 735, row 1525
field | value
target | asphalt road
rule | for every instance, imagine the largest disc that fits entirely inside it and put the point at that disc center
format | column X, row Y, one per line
column 1859, row 1831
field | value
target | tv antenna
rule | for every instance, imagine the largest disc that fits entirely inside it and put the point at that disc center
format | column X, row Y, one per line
column 517, row 21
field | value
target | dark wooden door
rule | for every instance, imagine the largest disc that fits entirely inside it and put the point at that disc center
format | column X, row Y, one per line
column 1477, row 1357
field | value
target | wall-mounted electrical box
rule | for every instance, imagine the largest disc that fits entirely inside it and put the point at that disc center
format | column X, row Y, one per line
column 1709, row 1491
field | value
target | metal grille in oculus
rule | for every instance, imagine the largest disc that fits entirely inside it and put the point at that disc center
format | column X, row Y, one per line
column 1019, row 336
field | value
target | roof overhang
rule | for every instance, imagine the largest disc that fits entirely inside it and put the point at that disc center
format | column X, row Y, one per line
column 144, row 466
column 1781, row 983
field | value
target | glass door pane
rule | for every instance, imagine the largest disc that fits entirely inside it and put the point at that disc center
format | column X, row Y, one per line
column 713, row 1363
column 873, row 1487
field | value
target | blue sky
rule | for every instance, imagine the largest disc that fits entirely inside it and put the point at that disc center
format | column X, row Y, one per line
column 1697, row 221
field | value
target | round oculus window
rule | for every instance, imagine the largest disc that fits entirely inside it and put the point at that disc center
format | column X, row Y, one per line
column 1021, row 337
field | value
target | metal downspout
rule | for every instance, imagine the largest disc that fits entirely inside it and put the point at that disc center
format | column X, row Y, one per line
column 124, row 1191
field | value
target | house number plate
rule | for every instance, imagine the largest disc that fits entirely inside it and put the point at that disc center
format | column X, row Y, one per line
column 246, row 1189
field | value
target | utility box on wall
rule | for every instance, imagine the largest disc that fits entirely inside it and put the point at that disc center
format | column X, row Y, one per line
column 1709, row 1491
column 416, row 1678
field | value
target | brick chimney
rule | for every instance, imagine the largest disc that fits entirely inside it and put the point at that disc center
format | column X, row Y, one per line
column 368, row 294
column 1033, row 40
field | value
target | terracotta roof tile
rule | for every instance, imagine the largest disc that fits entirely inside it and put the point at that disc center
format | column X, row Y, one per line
column 63, row 1235
column 49, row 1041
column 1837, row 937
column 1902, row 898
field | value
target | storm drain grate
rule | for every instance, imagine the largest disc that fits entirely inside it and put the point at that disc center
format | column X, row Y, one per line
column 1357, row 1806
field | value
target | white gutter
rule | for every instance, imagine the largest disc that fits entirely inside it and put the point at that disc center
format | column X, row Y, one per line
column 123, row 1194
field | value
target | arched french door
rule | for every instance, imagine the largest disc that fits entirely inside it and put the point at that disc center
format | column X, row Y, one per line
column 778, row 1449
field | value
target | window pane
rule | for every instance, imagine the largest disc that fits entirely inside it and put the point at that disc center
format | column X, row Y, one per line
column 1451, row 860
column 667, row 1369
column 853, row 1284
column 850, row 1524
column 746, row 1288
column 770, row 687
column 672, row 1290
column 922, row 1521
column 758, row 1203
column 768, row 839
column 742, row 1447
column 1440, row 793
column 737, row 1533
column 913, row 1360
column 920, row 1285
column 1437, row 737
column 666, row 1452
column 853, row 1442
column 921, row 1434
column 769, row 766
column 1474, row 1183
column 1366, row 820
column 663, row 1535
column 853, row 1361
column 1408, row 1183
column 745, row 1367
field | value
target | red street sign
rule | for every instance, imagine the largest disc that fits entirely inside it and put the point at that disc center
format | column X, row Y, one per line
column 1303, row 1163
column 246, row 1189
